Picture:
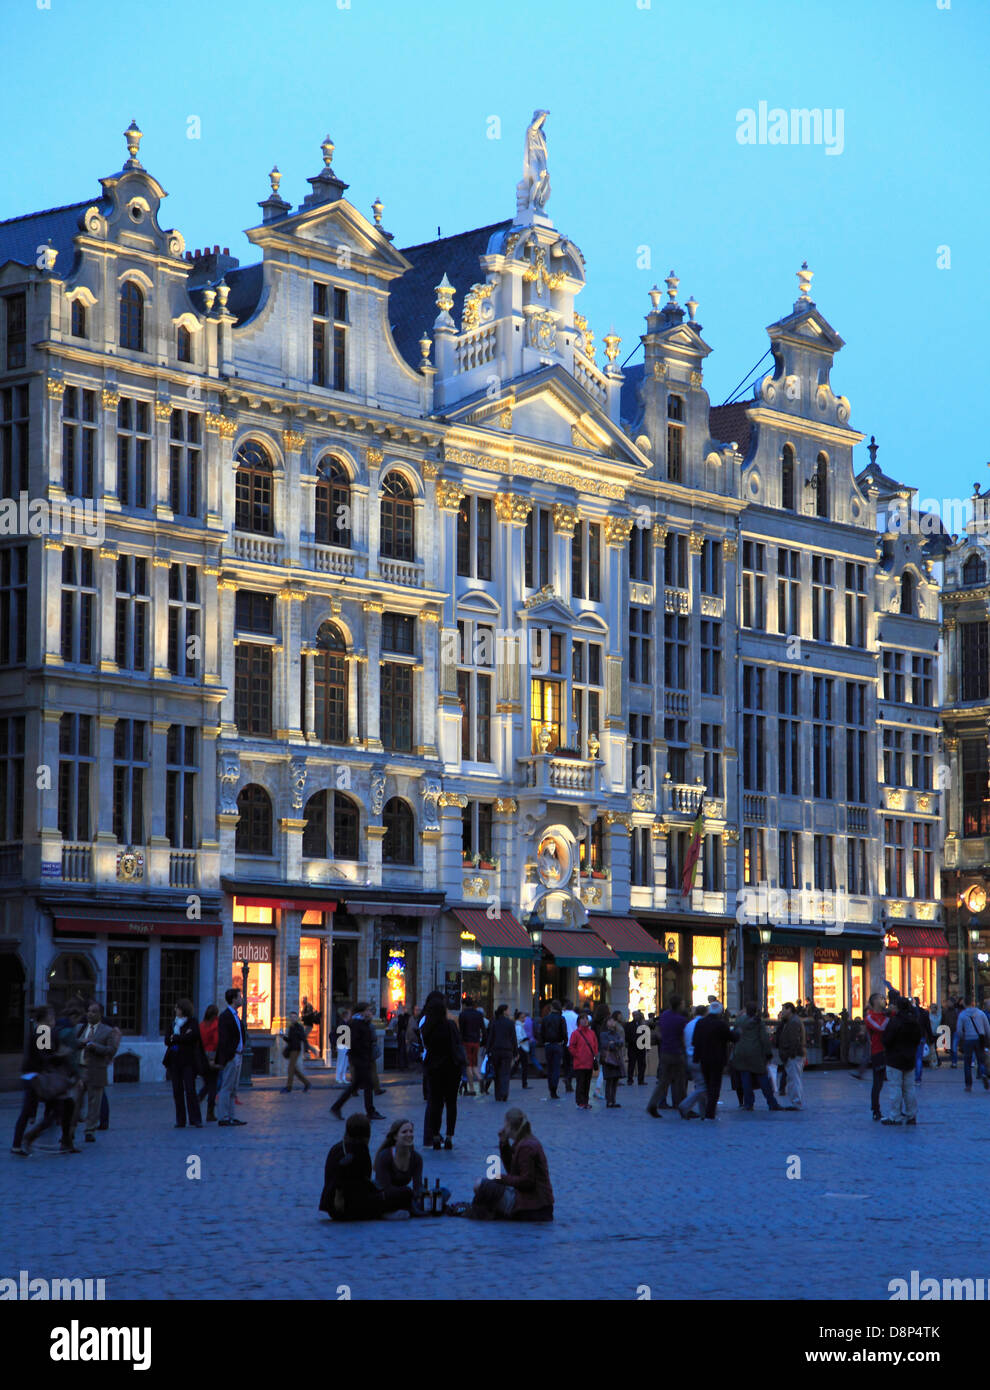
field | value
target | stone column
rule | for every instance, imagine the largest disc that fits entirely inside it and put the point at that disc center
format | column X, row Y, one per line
column 105, row 841
column 51, row 577
column 695, row 544
column 226, row 589
column 287, row 687
column 47, row 819
column 159, row 488
column 110, row 399
column 211, row 634
column 376, row 834
column 294, row 515
column 286, row 977
column 429, row 682
column 106, row 584
column 614, row 736
column 951, row 631
column 565, row 519
column 510, row 723
column 159, row 847
column 372, row 988
column 374, row 459
column 373, row 610
column 160, row 566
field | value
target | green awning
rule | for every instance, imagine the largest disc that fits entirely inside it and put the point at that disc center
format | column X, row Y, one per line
column 578, row 948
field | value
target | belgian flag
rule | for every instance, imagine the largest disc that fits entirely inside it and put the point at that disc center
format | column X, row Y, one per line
column 693, row 854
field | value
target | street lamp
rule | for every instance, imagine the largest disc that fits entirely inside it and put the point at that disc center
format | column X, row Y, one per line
column 765, row 935
column 534, row 926
column 246, row 1054
column 974, row 941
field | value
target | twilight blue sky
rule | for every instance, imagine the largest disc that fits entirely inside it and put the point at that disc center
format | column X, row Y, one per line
column 643, row 153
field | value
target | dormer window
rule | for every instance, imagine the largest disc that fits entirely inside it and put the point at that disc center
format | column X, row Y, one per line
column 675, row 438
column 131, row 317
column 78, row 319
column 974, row 570
column 329, row 337
column 907, row 594
column 787, row 479
column 183, row 344
column 821, row 486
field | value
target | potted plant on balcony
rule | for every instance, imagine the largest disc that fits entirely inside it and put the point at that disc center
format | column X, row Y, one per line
column 490, row 864
column 469, row 860
column 600, row 873
column 566, row 753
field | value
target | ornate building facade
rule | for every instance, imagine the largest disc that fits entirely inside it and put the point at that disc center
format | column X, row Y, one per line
column 386, row 625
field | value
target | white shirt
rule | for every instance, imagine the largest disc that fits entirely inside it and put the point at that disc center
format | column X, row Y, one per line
column 240, row 1030
column 688, row 1038
column 570, row 1018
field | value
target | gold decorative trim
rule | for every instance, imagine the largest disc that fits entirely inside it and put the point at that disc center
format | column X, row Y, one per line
column 376, row 832
column 512, row 509
column 449, row 496
column 565, row 519
column 55, row 388
column 696, row 542
column 431, row 471
column 506, row 805
column 452, row 799
column 617, row 530
column 291, row 823
column 109, row 399
column 373, row 605
column 730, row 548
column 163, row 411
column 659, row 535
column 476, row 887
column 523, row 469
column 429, row 615
column 293, row 441
column 373, row 457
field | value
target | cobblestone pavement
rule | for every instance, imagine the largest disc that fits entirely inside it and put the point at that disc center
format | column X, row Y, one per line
column 692, row 1210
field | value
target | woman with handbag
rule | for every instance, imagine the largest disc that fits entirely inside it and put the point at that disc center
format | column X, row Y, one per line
column 57, row 1082
column 583, row 1048
column 209, row 1036
column 612, row 1053
column 523, row 1193
column 444, row 1064
column 184, row 1061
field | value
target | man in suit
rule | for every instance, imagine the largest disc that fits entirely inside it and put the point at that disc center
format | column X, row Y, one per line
column 98, row 1042
column 229, row 1055
column 361, row 1053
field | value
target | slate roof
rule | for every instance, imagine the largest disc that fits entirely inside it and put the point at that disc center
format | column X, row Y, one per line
column 730, row 422
column 630, row 404
column 20, row 237
column 412, row 303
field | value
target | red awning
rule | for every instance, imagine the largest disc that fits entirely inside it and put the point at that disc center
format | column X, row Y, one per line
column 132, row 924
column 496, row 936
column 287, row 904
column 918, row 941
column 579, row 948
column 628, row 939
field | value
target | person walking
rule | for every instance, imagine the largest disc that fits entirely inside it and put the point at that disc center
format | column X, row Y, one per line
column 523, row 1192
column 444, row 1064
column 99, row 1043
column 973, row 1032
column 900, row 1044
column 571, row 1020
column 950, row 1017
column 554, row 1032
column 935, row 1020
column 583, row 1047
column 927, row 1039
column 612, row 1053
column 752, row 1053
column 672, row 1067
column 399, row 1168
column 343, row 1057
column 361, row 1050
column 296, row 1042
column 471, row 1023
column 183, row 1061
column 636, row 1055
column 693, row 1069
column 710, row 1044
column 209, row 1036
column 501, row 1047
column 38, row 1045
column 792, row 1051
column 56, row 1082
column 229, row 1056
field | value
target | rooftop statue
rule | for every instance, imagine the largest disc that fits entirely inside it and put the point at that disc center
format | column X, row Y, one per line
column 533, row 191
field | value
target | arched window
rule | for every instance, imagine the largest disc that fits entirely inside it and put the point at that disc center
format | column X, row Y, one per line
column 254, row 829
column 396, row 539
column 69, row 975
column 330, row 685
column 397, row 846
column 907, row 593
column 131, row 316
column 333, row 504
column 787, row 479
column 78, row 328
column 253, row 489
column 974, row 570
column 821, row 486
column 183, row 344
column 338, row 814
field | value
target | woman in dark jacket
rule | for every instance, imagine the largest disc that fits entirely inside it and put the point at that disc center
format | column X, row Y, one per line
column 752, row 1053
column 523, row 1193
column 501, row 1048
column 184, row 1060
column 398, row 1167
column 443, row 1064
column 348, row 1192
column 612, row 1052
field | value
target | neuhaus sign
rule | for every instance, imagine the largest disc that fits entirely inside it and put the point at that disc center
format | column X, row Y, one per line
column 253, row 950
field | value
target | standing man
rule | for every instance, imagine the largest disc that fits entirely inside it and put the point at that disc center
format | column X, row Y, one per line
column 672, row 1067
column 98, row 1047
column 791, row 1046
column 636, row 1055
column 471, row 1022
column 974, row 1032
column 501, row 1047
column 230, row 1054
column 876, row 1021
column 950, row 1017
column 710, row 1042
column 571, row 1019
column 361, row 1051
column 555, row 1037
column 900, row 1045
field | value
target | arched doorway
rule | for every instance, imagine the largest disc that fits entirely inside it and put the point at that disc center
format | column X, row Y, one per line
column 12, row 980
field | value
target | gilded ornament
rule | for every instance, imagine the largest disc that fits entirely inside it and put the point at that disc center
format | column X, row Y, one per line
column 110, row 399
column 55, row 387
column 452, row 799
column 293, row 440
column 617, row 530
column 430, row 471
column 565, row 518
column 511, row 508
column 374, row 457
column 506, row 805
column 659, row 534
column 163, row 411
column 730, row 548
column 696, row 543
column 449, row 496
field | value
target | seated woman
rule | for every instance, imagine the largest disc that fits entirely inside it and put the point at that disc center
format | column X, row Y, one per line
column 523, row 1193
column 399, row 1168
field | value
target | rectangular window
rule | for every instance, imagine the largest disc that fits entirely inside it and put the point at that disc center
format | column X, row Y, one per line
column 857, row 761
column 754, row 580
column 675, row 438
column 824, row 850
column 13, row 604
column 893, row 676
column 790, row 860
column 822, row 585
column 536, row 548
column 676, row 568
column 893, row 857
column 711, row 657
column 789, row 591
column 788, row 733
column 132, row 613
column 754, row 856
column 675, row 651
column 185, row 623
column 253, row 689
column 176, row 981
column 474, row 690
column 712, row 864
column 641, row 554
column 77, row 319
column 711, row 567
column 893, row 757
column 130, row 764
column 476, row 831
column 711, row 742
column 823, row 737
column 329, row 337
column 396, row 706
column 586, row 691
column 641, row 856
column 185, row 462
column 14, row 439
column 640, row 753
column 181, row 766
column 857, row 881
column 78, row 605
column 754, row 729
column 12, row 779
column 855, row 605
column 125, row 971
column 133, row 452
column 254, row 612
column 923, row 863
column 399, row 633
column 79, row 442
column 15, row 328
column 474, row 538
column 922, row 680
column 640, row 646
column 77, row 755
column 922, row 761
column 976, row 794
column 973, row 650
column 545, row 713
column 675, row 734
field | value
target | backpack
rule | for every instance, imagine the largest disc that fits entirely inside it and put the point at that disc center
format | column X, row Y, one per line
column 554, row 1028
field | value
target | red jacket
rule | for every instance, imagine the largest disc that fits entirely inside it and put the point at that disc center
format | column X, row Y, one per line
column 209, row 1033
column 875, row 1024
column 583, row 1048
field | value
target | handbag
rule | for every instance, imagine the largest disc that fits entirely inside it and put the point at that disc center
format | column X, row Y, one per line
column 50, row 1085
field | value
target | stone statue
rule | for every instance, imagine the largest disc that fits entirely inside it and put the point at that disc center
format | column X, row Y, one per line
column 533, row 191
column 430, row 791
column 228, row 775
column 377, row 792
column 297, row 776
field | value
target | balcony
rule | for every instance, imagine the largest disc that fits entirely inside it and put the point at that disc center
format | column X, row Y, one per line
column 182, row 869
column 332, row 559
column 675, row 703
column 77, row 863
column 260, row 550
column 857, row 819
column 754, row 808
column 401, row 572
column 547, row 775
column 683, row 798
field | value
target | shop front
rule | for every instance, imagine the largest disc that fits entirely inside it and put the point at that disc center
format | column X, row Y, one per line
column 912, row 961
column 643, row 954
column 789, row 967
column 577, row 966
column 695, row 965
column 496, row 959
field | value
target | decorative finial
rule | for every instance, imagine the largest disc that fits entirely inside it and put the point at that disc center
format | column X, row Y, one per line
column 48, row 256
column 692, row 307
column 209, row 298
column 611, row 340
column 223, row 293
column 871, row 449
column 328, row 148
column 672, row 282
column 805, row 277
column 377, row 208
column 656, row 294
column 445, row 295
column 274, row 178
column 133, row 135
column 425, row 344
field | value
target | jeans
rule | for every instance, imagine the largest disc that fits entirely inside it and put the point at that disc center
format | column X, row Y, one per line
column 341, row 1064
column 763, row 1082
column 969, row 1050
column 672, row 1075
column 229, row 1080
column 554, row 1053
column 919, row 1062
column 29, row 1108
column 795, row 1081
column 879, row 1077
column 899, row 1094
column 502, row 1062
column 952, row 1046
column 295, row 1069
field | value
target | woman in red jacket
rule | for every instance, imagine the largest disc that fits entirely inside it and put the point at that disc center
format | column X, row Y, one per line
column 583, row 1048
column 208, row 1032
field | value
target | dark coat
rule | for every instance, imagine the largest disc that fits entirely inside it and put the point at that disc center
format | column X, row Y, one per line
column 753, row 1050
column 348, row 1191
column 502, row 1037
column 710, row 1040
column 185, row 1048
column 900, row 1041
column 790, row 1038
column 228, row 1037
column 527, row 1171
column 361, row 1052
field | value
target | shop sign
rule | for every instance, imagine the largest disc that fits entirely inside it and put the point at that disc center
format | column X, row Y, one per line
column 452, row 989
column 827, row 955
column 785, row 953
column 253, row 950
column 470, row 960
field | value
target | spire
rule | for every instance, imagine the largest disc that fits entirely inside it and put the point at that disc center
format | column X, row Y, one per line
column 804, row 276
column 273, row 206
column 871, row 449
column 133, row 135
column 327, row 188
column 672, row 311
